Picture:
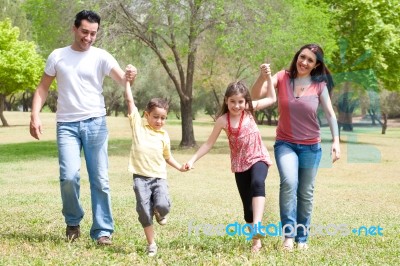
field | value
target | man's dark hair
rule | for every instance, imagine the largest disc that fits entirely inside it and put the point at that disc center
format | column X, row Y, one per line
column 89, row 15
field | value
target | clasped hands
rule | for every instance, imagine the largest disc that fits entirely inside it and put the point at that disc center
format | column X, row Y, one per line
column 130, row 73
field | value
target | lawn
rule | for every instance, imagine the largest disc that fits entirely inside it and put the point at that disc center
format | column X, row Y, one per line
column 356, row 209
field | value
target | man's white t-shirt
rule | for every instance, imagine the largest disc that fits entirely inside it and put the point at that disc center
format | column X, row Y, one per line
column 79, row 78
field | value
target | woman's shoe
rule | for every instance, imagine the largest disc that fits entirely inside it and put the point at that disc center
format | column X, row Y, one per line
column 302, row 246
column 288, row 244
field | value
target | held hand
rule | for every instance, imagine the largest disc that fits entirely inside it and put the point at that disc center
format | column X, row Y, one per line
column 188, row 166
column 35, row 128
column 265, row 71
column 130, row 73
column 183, row 168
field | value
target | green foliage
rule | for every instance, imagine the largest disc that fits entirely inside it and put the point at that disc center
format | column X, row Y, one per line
column 173, row 30
column 209, row 102
column 360, row 39
column 368, row 34
column 253, row 32
column 272, row 31
column 52, row 21
column 20, row 66
column 389, row 103
column 12, row 9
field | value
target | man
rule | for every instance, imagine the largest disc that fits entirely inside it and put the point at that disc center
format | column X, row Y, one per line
column 80, row 69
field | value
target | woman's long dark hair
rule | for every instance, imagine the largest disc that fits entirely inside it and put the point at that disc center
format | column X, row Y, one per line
column 318, row 74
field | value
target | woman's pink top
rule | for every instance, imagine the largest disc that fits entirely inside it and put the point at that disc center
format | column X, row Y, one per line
column 298, row 121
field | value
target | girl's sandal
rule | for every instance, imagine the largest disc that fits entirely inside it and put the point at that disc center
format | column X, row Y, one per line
column 258, row 236
column 256, row 247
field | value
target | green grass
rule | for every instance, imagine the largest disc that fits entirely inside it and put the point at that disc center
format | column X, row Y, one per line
column 361, row 189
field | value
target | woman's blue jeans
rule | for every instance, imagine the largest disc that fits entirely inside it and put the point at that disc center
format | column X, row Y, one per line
column 91, row 135
column 297, row 165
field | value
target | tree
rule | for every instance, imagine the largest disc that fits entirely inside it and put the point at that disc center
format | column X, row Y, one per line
column 390, row 106
column 264, row 31
column 20, row 66
column 369, row 40
column 173, row 30
column 52, row 22
column 52, row 31
column 12, row 10
column 272, row 31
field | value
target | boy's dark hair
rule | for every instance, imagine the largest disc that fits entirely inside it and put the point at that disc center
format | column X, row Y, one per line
column 89, row 15
column 157, row 102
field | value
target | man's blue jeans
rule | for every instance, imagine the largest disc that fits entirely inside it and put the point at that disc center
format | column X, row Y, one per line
column 297, row 165
column 92, row 136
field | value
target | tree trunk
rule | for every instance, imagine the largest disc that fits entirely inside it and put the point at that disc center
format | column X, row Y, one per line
column 269, row 114
column 374, row 117
column 25, row 97
column 188, row 140
column 384, row 125
column 346, row 107
column 2, row 118
column 8, row 105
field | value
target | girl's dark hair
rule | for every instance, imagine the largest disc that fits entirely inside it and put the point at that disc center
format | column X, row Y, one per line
column 157, row 102
column 234, row 88
column 318, row 74
column 88, row 15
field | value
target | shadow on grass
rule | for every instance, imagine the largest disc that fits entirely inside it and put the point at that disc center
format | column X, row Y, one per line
column 28, row 151
column 11, row 126
column 34, row 237
column 121, row 147
column 48, row 149
column 56, row 239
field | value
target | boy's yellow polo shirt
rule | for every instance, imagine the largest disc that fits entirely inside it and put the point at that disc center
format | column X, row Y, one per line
column 150, row 148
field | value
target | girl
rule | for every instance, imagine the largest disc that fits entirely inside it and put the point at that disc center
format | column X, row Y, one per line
column 249, row 157
column 150, row 152
column 300, row 90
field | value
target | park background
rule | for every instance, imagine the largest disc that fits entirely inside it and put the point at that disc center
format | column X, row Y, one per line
column 188, row 51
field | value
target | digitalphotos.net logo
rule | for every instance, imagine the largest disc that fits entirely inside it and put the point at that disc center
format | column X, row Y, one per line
column 277, row 230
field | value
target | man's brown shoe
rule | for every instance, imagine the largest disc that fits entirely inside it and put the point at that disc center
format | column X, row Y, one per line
column 72, row 232
column 104, row 240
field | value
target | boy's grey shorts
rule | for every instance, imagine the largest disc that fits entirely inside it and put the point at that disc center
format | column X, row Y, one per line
column 151, row 194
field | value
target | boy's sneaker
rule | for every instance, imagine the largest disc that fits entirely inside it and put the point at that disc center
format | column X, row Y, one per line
column 161, row 220
column 152, row 250
column 72, row 232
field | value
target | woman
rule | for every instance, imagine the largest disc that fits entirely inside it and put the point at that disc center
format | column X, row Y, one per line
column 300, row 90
